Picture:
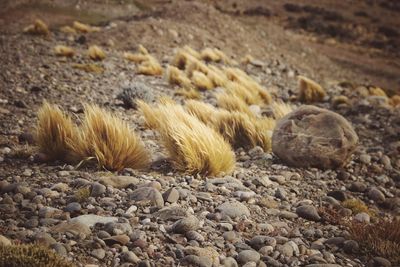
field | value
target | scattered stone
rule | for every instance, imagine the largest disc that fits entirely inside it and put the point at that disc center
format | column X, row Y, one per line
column 98, row 253
column 4, row 241
column 117, row 239
column 247, row 256
column 97, row 189
column 376, row 195
column 90, row 219
column 358, row 187
column 73, row 207
column 76, row 228
column 379, row 262
column 308, row 212
column 314, row 137
column 185, row 225
column 119, row 181
column 130, row 257
column 171, row 195
column 147, row 195
column 233, row 209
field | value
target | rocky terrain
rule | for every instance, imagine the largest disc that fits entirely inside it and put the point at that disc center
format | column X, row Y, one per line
column 265, row 213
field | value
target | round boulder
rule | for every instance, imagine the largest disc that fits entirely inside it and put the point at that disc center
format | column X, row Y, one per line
column 314, row 137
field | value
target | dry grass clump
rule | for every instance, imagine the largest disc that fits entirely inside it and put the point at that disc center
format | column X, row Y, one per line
column 177, row 77
column 64, row 51
column 395, row 100
column 240, row 129
column 381, row 238
column 110, row 140
column 201, row 81
column 232, row 102
column 39, row 27
column 54, row 132
column 376, row 91
column 68, row 29
column 82, row 194
column 259, row 94
column 84, row 28
column 281, row 109
column 340, row 100
column 214, row 55
column 96, row 53
column 310, row 91
column 89, row 67
column 192, row 146
column 357, row 206
column 188, row 93
column 150, row 67
column 136, row 57
column 31, row 255
column 217, row 76
column 193, row 65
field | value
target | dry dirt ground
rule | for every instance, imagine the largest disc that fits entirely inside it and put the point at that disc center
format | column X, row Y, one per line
column 345, row 46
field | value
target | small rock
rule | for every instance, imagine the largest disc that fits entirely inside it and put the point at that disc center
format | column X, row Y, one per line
column 146, row 195
column 230, row 262
column 247, row 256
column 171, row 195
column 308, row 212
column 358, row 187
column 91, row 219
column 129, row 256
column 117, row 239
column 97, row 189
column 4, row 241
column 376, row 195
column 362, row 217
column 186, row 224
column 73, row 207
column 379, row 262
column 98, row 253
column 350, row 246
column 119, row 181
column 59, row 249
column 233, row 209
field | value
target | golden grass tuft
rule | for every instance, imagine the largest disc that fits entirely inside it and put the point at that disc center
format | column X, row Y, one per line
column 181, row 58
column 192, row 146
column 177, row 77
column 143, row 50
column 395, row 101
column 110, row 140
column 217, row 76
column 84, row 28
column 258, row 92
column 339, row 100
column 64, row 51
column 54, row 131
column 188, row 93
column 96, row 53
column 357, row 206
column 68, row 29
column 247, row 59
column 136, row 57
column 192, row 52
column 89, row 67
column 381, row 238
column 205, row 112
column 201, row 81
column 213, row 55
column 194, row 64
column 150, row 67
column 232, row 102
column 376, row 91
column 251, row 98
column 310, row 91
column 39, row 27
column 281, row 109
column 240, row 129
column 82, row 194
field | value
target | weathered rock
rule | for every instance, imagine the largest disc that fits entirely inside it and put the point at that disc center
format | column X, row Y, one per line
column 98, row 253
column 248, row 255
column 117, row 239
column 314, row 137
column 74, row 228
column 376, row 195
column 97, row 189
column 91, row 219
column 171, row 195
column 185, row 225
column 207, row 252
column 4, row 241
column 147, row 195
column 379, row 262
column 308, row 212
column 233, row 209
column 119, row 181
